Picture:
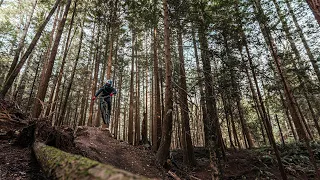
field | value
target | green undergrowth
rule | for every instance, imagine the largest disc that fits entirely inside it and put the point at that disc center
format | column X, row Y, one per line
column 294, row 156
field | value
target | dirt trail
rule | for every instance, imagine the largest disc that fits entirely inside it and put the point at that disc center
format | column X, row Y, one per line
column 99, row 145
column 17, row 161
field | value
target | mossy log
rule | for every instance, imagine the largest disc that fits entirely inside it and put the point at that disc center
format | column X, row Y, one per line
column 61, row 165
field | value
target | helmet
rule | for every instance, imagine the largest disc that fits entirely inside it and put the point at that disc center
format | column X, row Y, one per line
column 109, row 82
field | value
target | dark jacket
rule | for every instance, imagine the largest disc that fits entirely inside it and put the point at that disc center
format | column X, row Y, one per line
column 106, row 91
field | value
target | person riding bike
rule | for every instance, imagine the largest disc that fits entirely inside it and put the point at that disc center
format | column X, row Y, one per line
column 107, row 92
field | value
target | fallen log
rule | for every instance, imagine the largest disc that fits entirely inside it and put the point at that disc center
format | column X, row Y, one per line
column 61, row 165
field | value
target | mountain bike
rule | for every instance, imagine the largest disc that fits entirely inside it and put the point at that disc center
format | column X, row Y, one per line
column 104, row 110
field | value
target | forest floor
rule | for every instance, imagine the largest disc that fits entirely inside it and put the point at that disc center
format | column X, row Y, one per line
column 18, row 162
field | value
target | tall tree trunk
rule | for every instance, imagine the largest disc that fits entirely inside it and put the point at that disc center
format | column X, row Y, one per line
column 84, row 99
column 113, row 16
column 95, row 76
column 56, row 88
column 211, row 123
column 298, row 57
column 234, row 129
column 98, row 118
column 105, row 63
column 110, row 57
column 117, row 117
column 227, row 120
column 200, row 82
column 255, row 101
column 8, row 83
column 313, row 114
column 66, row 99
column 124, row 122
column 32, row 86
column 130, row 126
column 244, row 125
column 164, row 148
column 88, row 80
column 280, row 131
column 245, row 130
column 144, row 130
column 285, row 107
column 292, row 103
column 58, row 109
column 45, row 80
column 137, row 96
column 304, row 41
column 21, row 42
column 304, row 122
column 19, row 92
column 152, row 107
column 156, row 130
column 315, row 7
column 188, row 154
column 75, row 119
column 45, row 60
column 274, row 52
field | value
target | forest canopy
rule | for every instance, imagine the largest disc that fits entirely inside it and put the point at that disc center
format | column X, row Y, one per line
column 229, row 74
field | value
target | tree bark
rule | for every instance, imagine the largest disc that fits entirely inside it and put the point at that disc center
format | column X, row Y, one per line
column 124, row 122
column 87, row 84
column 137, row 96
column 130, row 126
column 236, row 91
column 315, row 7
column 97, row 121
column 119, row 94
column 66, row 99
column 188, row 153
column 280, row 131
column 56, row 88
column 292, row 103
column 228, row 121
column 164, row 148
column 255, row 101
column 113, row 16
column 156, row 130
column 32, row 86
column 61, row 165
column 21, row 42
column 95, row 76
column 45, row 80
column 294, row 133
column 211, row 123
column 20, row 90
column 298, row 57
column 244, row 125
column 144, row 130
column 304, row 41
column 30, row 48
column 200, row 82
column 234, row 130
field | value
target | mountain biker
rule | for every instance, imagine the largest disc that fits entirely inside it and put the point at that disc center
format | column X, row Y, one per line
column 107, row 92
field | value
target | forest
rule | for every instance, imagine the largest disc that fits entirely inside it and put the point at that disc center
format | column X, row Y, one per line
column 205, row 89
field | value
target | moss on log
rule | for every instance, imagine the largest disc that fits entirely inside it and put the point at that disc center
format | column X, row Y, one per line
column 61, row 165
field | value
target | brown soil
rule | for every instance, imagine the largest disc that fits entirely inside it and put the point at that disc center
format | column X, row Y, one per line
column 99, row 145
column 18, row 162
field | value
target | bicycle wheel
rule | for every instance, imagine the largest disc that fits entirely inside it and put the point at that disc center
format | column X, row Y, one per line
column 103, row 110
column 107, row 117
